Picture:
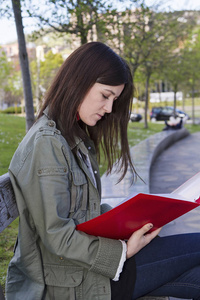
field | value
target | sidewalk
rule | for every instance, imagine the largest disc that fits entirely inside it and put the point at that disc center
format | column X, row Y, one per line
column 176, row 165
column 172, row 168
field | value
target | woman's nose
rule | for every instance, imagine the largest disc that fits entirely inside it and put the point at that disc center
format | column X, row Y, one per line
column 108, row 106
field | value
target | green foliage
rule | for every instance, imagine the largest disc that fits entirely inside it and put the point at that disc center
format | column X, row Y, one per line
column 7, row 242
column 5, row 9
column 14, row 89
column 10, row 81
column 191, row 61
column 5, row 69
column 12, row 130
column 72, row 17
column 49, row 67
column 12, row 110
column 44, row 71
column 152, row 42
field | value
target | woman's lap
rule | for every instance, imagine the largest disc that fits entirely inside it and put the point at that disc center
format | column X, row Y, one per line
column 186, row 286
column 163, row 265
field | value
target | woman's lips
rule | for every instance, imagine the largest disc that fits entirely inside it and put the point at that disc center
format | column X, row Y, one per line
column 99, row 116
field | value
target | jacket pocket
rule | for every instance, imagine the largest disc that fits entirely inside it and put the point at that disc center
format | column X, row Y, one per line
column 78, row 177
column 79, row 195
column 63, row 276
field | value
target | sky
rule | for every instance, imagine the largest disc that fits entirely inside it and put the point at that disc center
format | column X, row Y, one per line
column 8, row 32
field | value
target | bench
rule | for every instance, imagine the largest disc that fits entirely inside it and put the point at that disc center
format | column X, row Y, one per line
column 8, row 206
column 143, row 156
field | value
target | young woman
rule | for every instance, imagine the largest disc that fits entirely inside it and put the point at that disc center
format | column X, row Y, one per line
column 56, row 180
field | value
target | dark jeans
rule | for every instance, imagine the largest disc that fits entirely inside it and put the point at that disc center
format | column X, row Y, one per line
column 169, row 266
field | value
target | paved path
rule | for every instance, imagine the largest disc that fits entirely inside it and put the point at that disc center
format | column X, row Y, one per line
column 173, row 167
column 176, row 165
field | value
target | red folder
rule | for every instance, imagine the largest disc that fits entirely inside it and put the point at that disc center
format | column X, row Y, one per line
column 121, row 221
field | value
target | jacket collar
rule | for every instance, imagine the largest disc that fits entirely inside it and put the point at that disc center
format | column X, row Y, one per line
column 78, row 142
column 45, row 112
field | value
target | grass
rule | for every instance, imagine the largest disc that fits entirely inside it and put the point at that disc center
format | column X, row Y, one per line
column 12, row 130
column 7, row 242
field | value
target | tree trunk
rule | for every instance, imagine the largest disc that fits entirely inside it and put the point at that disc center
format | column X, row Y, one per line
column 146, row 101
column 193, row 116
column 80, row 23
column 175, row 91
column 23, row 57
column 183, row 101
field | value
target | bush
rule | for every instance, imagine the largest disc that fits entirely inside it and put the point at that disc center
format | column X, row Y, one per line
column 12, row 110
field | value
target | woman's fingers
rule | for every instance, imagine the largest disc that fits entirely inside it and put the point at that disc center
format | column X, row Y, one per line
column 140, row 239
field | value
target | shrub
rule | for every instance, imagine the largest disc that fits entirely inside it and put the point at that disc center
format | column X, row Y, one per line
column 12, row 110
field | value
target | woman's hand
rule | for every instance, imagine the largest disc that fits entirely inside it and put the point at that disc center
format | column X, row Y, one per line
column 140, row 239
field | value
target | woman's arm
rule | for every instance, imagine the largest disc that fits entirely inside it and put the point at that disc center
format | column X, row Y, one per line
column 45, row 184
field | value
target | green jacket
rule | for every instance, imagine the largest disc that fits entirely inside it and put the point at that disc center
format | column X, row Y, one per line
column 54, row 191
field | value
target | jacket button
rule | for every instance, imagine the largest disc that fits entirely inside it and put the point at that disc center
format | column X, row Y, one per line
column 51, row 123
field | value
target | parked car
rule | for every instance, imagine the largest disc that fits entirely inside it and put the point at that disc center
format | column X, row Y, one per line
column 164, row 113
column 134, row 117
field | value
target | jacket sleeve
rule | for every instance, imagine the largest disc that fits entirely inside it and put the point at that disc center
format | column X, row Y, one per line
column 44, row 182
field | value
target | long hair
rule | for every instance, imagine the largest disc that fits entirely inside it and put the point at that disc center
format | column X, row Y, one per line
column 93, row 63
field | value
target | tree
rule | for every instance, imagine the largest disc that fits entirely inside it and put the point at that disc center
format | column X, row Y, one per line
column 10, row 82
column 75, row 17
column 174, row 68
column 23, row 57
column 43, row 71
column 150, row 39
column 5, row 70
column 13, row 90
column 191, row 65
column 174, row 73
column 146, row 37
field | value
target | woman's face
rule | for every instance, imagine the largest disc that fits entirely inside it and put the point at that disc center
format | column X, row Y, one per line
column 98, row 101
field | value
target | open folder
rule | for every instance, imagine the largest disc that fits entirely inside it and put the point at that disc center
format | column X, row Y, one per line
column 134, row 212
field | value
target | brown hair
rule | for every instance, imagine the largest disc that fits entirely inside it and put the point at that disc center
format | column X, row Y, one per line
column 93, row 62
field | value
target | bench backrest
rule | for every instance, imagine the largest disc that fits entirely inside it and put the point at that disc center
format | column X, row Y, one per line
column 8, row 206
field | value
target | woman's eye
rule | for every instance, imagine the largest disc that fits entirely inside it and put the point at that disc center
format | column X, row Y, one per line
column 105, row 97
